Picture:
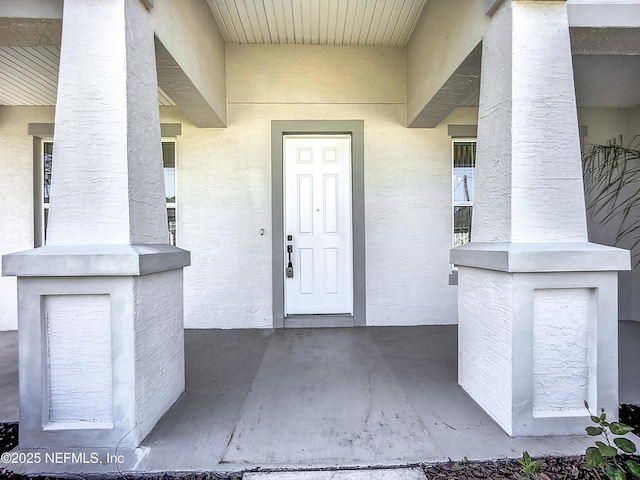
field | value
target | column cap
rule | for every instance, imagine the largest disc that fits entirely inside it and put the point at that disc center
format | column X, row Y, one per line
column 94, row 260
column 541, row 257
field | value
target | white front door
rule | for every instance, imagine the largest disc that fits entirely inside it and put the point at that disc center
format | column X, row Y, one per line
column 317, row 224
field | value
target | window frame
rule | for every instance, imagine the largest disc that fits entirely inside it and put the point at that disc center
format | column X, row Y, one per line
column 174, row 204
column 455, row 203
column 40, row 233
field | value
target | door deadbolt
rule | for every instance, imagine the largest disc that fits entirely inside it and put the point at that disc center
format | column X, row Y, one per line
column 289, row 265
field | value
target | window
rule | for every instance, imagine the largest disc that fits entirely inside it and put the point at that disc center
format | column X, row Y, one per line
column 464, row 166
column 47, row 160
column 169, row 164
column 169, row 168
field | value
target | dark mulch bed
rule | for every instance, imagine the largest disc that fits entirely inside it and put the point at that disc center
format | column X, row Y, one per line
column 557, row 468
column 8, row 436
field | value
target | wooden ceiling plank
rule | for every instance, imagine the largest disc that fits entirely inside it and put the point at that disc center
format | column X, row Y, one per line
column 223, row 26
column 245, row 21
column 356, row 22
column 323, row 22
column 306, row 14
column 287, row 13
column 51, row 53
column 298, row 25
column 40, row 79
column 392, row 21
column 269, row 30
column 382, row 33
column 276, row 23
column 21, row 90
column 234, row 16
column 164, row 100
column 231, row 27
column 313, row 21
column 38, row 54
column 366, row 22
column 260, row 34
column 332, row 12
column 376, row 20
column 412, row 19
column 29, row 57
column 341, row 22
column 12, row 93
column 400, row 21
column 26, row 75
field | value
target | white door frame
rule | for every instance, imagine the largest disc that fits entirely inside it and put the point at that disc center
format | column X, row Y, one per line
column 355, row 128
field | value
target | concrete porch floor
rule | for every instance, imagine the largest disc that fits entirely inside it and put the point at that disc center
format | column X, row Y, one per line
column 326, row 397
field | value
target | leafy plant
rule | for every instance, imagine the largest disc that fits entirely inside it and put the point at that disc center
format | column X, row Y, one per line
column 532, row 470
column 612, row 190
column 457, row 466
column 605, row 455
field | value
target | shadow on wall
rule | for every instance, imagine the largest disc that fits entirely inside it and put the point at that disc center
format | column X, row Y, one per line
column 612, row 197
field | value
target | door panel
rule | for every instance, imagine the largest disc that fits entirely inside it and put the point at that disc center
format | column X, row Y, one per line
column 317, row 210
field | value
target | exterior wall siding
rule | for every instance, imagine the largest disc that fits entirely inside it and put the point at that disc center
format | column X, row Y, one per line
column 224, row 185
column 224, row 193
column 224, row 179
column 16, row 195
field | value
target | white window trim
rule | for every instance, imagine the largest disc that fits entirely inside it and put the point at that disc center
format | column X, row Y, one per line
column 39, row 188
column 455, row 203
column 174, row 204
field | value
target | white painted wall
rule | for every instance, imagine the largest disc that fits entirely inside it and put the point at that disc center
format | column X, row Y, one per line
column 529, row 128
column 189, row 32
column 486, row 349
column 79, row 360
column 224, row 185
column 445, row 35
column 159, row 346
column 564, row 350
column 604, row 125
column 16, row 195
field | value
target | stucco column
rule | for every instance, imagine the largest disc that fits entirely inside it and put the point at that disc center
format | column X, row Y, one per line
column 100, row 306
column 537, row 302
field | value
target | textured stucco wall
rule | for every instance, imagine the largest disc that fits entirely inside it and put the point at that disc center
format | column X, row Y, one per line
column 121, row 200
column 486, row 350
column 79, row 359
column 224, row 185
column 16, row 195
column 445, row 35
column 189, row 32
column 159, row 346
column 528, row 150
column 564, row 350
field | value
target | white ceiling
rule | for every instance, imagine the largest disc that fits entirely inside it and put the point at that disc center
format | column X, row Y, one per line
column 29, row 76
column 317, row 22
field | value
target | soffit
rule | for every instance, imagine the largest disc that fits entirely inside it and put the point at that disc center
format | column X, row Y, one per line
column 607, row 81
column 317, row 22
column 29, row 76
column 601, row 81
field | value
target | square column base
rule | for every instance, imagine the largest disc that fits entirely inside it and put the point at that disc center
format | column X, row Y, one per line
column 534, row 345
column 101, row 356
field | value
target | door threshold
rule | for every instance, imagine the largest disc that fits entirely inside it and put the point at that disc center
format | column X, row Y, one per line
column 318, row 321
